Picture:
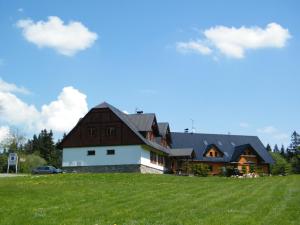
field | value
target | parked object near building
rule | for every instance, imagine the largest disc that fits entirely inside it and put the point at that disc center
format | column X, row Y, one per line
column 108, row 140
column 46, row 170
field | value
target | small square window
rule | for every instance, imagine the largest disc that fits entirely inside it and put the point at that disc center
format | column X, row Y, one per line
column 110, row 152
column 91, row 152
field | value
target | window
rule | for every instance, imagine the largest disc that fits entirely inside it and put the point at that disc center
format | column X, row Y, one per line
column 110, row 152
column 211, row 154
column 91, row 152
column 153, row 157
column 216, row 154
column 92, row 131
column 110, row 131
column 160, row 159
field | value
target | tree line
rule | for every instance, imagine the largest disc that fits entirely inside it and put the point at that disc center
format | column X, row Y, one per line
column 39, row 150
column 287, row 159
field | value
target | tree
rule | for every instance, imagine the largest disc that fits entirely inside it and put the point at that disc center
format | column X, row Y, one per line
column 14, row 142
column 43, row 145
column 268, row 147
column 282, row 151
column 281, row 166
column 276, row 149
column 295, row 143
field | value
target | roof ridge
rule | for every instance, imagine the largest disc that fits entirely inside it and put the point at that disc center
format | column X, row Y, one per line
column 214, row 134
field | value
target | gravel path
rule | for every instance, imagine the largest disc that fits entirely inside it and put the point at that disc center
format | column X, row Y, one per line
column 12, row 175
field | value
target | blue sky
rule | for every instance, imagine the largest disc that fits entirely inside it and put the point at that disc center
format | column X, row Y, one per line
column 173, row 58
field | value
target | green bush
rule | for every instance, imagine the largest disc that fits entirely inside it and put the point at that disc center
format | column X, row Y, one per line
column 295, row 161
column 252, row 168
column 200, row 169
column 281, row 166
column 31, row 161
column 244, row 169
column 3, row 163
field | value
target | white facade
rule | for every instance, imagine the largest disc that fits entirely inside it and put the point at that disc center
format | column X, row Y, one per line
column 124, row 155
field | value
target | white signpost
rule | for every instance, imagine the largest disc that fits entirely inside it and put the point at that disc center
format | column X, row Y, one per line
column 12, row 161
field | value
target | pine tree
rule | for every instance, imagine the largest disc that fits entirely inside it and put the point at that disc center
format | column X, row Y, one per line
column 282, row 151
column 293, row 150
column 276, row 149
column 295, row 142
column 268, row 147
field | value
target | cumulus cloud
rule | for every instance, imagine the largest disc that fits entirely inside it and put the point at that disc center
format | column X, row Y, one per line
column 9, row 87
column 59, row 115
column 274, row 133
column 193, row 47
column 66, row 39
column 4, row 133
column 233, row 42
column 63, row 113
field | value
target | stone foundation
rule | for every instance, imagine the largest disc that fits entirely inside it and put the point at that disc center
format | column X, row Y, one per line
column 133, row 168
column 103, row 169
column 147, row 169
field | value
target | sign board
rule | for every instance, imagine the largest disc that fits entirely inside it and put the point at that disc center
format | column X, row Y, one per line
column 12, row 159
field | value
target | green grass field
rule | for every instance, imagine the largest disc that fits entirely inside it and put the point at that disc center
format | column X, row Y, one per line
column 148, row 199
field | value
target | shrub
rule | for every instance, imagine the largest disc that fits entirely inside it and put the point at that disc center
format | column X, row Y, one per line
column 252, row 168
column 295, row 161
column 200, row 169
column 31, row 161
column 3, row 163
column 244, row 169
column 281, row 166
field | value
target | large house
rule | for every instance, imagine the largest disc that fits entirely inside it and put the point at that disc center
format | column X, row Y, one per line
column 108, row 140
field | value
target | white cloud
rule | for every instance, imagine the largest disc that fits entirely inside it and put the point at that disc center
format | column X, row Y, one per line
column 244, row 125
column 9, row 87
column 60, row 115
column 193, row 47
column 4, row 133
column 274, row 133
column 233, row 42
column 267, row 130
column 14, row 111
column 63, row 113
column 66, row 39
column 126, row 112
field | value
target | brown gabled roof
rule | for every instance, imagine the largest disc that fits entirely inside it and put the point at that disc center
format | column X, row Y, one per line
column 126, row 119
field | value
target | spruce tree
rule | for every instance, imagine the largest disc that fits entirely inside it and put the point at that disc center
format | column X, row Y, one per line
column 268, row 147
column 276, row 149
column 282, row 151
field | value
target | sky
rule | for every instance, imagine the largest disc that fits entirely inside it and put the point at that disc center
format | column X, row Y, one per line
column 211, row 66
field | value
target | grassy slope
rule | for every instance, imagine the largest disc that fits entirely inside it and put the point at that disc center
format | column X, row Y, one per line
column 148, row 199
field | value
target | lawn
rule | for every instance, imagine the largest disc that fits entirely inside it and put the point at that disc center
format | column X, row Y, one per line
column 148, row 199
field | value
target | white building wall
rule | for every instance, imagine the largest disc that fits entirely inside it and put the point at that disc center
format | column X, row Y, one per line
column 145, row 160
column 124, row 155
